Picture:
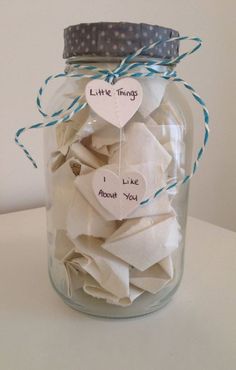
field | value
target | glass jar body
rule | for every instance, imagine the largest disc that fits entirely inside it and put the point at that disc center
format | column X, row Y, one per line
column 98, row 263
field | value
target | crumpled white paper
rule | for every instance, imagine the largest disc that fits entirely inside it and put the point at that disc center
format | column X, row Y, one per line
column 153, row 92
column 64, row 253
column 177, row 150
column 74, row 278
column 92, row 124
column 144, row 242
column 155, row 277
column 83, row 219
column 99, row 273
column 106, row 136
column 167, row 114
column 66, row 132
column 64, row 248
column 140, row 146
column 57, row 159
column 172, row 139
column 165, row 133
column 92, row 288
column 63, row 190
column 85, row 156
column 110, row 272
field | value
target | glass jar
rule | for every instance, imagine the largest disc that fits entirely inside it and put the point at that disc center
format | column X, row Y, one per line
column 99, row 263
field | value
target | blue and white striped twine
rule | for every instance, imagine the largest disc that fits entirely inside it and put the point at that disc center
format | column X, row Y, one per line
column 125, row 69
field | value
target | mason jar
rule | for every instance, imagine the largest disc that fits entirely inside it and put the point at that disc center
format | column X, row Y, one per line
column 103, row 261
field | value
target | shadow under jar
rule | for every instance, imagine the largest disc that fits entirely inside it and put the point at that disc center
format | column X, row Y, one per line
column 99, row 264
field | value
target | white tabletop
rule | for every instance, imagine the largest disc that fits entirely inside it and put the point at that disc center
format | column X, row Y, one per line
column 195, row 331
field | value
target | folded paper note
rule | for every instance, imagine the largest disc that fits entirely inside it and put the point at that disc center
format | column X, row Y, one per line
column 167, row 114
column 85, row 156
column 64, row 248
column 148, row 246
column 92, row 124
column 106, row 136
column 140, row 146
column 177, row 150
column 66, row 132
column 62, row 193
column 83, row 219
column 92, row 288
column 154, row 278
column 57, row 159
column 153, row 92
column 165, row 133
column 74, row 278
column 109, row 271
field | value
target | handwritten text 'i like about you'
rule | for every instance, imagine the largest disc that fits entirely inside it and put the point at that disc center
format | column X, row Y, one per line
column 119, row 195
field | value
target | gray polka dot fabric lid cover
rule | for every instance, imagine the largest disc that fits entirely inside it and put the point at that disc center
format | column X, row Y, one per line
column 118, row 39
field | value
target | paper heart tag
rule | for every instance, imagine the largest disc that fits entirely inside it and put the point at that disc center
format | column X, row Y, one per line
column 115, row 103
column 119, row 195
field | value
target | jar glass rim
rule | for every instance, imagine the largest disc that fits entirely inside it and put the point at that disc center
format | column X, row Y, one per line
column 110, row 59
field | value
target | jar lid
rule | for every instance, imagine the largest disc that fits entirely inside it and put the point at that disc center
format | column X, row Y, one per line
column 118, row 39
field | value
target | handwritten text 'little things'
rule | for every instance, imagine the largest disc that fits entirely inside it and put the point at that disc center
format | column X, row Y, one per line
column 120, row 92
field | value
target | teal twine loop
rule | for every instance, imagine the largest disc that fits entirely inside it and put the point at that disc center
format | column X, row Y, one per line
column 111, row 77
column 127, row 68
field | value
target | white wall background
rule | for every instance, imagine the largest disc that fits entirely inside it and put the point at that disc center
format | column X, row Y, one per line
column 31, row 43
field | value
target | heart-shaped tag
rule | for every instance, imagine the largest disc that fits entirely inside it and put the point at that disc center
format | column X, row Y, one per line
column 119, row 195
column 115, row 103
